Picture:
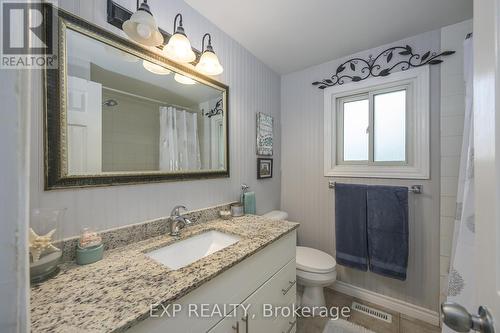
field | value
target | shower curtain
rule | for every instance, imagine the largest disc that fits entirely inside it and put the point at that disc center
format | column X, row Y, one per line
column 179, row 144
column 461, row 277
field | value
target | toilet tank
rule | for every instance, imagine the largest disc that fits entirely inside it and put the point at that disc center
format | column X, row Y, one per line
column 276, row 215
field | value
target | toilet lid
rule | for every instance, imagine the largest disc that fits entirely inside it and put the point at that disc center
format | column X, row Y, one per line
column 314, row 261
column 276, row 215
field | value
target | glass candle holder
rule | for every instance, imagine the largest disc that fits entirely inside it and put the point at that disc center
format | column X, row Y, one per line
column 45, row 234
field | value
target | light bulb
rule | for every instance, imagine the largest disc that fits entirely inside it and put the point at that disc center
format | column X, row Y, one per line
column 143, row 30
column 154, row 68
column 183, row 79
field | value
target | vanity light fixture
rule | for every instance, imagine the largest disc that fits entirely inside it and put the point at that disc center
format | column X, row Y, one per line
column 183, row 79
column 178, row 47
column 154, row 68
column 142, row 27
column 209, row 62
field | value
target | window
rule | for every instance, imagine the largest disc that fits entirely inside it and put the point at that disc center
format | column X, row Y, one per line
column 354, row 125
column 389, row 126
column 372, row 127
column 379, row 127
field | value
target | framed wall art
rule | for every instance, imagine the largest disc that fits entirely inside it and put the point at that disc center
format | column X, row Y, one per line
column 264, row 134
column 264, row 168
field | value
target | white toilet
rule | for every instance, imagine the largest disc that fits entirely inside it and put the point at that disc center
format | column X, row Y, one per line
column 315, row 269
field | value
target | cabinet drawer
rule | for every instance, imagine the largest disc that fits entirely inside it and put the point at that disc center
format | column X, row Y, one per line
column 279, row 290
column 282, row 287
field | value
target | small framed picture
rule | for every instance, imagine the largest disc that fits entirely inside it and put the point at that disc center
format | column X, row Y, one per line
column 264, row 168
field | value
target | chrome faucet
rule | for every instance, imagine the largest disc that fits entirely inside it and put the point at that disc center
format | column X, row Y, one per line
column 178, row 221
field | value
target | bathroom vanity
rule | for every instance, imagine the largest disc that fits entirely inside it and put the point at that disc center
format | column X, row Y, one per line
column 224, row 291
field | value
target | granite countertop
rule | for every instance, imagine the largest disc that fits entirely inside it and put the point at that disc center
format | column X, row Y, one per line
column 115, row 293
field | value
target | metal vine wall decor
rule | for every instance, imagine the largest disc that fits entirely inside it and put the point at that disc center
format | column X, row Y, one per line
column 357, row 69
column 216, row 110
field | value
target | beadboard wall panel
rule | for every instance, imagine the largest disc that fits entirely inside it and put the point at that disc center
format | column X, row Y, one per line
column 14, row 199
column 253, row 88
column 305, row 194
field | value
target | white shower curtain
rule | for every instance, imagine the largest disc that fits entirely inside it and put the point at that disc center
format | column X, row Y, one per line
column 179, row 144
column 461, row 277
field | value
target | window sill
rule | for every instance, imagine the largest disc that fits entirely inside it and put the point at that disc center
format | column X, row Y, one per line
column 382, row 171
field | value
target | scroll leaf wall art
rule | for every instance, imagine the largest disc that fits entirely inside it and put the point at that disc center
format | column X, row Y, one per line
column 264, row 134
column 393, row 59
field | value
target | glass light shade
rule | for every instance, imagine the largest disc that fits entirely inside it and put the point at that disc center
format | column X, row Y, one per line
column 209, row 64
column 154, row 68
column 142, row 28
column 183, row 79
column 179, row 49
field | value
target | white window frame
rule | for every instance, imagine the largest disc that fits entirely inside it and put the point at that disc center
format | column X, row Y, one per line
column 417, row 164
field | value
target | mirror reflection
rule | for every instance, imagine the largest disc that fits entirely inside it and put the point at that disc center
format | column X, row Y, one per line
column 127, row 114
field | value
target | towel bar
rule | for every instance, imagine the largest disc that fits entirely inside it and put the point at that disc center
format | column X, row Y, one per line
column 417, row 189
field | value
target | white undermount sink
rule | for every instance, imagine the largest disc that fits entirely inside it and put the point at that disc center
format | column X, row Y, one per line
column 187, row 251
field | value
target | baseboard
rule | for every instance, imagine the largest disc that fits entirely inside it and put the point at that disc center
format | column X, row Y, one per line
column 390, row 303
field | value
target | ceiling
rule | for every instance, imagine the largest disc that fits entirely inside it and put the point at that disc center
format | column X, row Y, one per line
column 290, row 35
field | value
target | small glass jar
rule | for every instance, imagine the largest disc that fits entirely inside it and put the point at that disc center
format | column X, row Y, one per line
column 90, row 248
column 237, row 210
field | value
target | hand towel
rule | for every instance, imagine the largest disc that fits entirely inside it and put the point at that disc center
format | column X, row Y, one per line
column 350, row 226
column 387, row 224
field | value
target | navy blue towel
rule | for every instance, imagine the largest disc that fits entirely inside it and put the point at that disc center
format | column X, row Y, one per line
column 387, row 222
column 350, row 225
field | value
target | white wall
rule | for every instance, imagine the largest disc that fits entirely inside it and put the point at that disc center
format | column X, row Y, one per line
column 305, row 194
column 253, row 87
column 452, row 125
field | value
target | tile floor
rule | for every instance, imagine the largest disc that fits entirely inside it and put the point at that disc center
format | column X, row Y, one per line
column 400, row 323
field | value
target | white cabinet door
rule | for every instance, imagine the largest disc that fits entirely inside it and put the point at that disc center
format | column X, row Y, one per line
column 84, row 129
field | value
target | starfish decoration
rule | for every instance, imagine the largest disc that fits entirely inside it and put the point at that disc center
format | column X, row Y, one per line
column 40, row 244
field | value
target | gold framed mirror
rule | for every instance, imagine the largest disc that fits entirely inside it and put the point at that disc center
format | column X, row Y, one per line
column 118, row 113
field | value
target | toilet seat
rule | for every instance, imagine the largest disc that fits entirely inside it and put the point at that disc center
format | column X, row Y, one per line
column 314, row 261
column 323, row 279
